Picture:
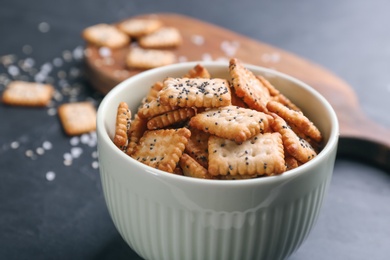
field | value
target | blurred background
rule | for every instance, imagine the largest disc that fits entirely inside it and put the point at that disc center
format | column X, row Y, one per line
column 51, row 210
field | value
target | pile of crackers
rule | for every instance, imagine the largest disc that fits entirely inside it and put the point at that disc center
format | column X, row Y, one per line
column 214, row 128
column 150, row 42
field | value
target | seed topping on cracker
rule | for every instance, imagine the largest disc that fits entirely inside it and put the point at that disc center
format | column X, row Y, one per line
column 195, row 92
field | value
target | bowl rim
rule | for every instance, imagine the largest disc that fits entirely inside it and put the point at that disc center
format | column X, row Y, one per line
column 327, row 149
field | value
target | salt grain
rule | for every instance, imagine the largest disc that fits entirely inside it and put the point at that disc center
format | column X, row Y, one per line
column 40, row 151
column 197, row 39
column 78, row 53
column 29, row 153
column 15, row 145
column 44, row 27
column 75, row 140
column 50, row 176
column 84, row 138
column 47, row 145
column 68, row 157
column 104, row 52
column 76, row 152
column 67, row 55
column 52, row 111
column 67, row 162
column 95, row 164
column 58, row 62
column 94, row 154
column 13, row 70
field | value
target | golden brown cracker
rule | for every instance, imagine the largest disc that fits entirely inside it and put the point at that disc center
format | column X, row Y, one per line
column 170, row 118
column 105, row 35
column 231, row 122
column 296, row 118
column 147, row 59
column 77, row 118
column 263, row 154
column 21, row 93
column 192, row 168
column 197, row 146
column 162, row 149
column 295, row 146
column 154, row 108
column 164, row 37
column 137, row 27
column 195, row 92
column 136, row 131
column 122, row 126
column 198, row 72
column 153, row 91
column 248, row 87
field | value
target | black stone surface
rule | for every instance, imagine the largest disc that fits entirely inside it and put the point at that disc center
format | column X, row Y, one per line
column 66, row 218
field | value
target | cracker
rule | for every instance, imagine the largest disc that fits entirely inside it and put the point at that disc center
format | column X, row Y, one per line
column 77, row 118
column 147, row 59
column 137, row 27
column 297, row 147
column 248, row 87
column 195, row 92
column 197, row 146
column 263, row 154
column 122, row 126
column 153, row 91
column 198, row 72
column 231, row 122
column 291, row 162
column 105, row 35
column 136, row 131
column 164, row 37
column 154, row 108
column 170, row 118
column 296, row 118
column 192, row 168
column 156, row 150
column 21, row 93
column 276, row 95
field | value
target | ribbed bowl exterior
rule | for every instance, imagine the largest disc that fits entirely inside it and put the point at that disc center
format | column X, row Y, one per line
column 157, row 230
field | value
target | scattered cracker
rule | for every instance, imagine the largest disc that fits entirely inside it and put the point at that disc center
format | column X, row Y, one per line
column 295, row 146
column 105, row 35
column 192, row 168
column 261, row 155
column 137, row 27
column 147, row 59
column 231, row 122
column 197, row 146
column 137, row 129
column 198, row 72
column 122, row 126
column 77, row 118
column 296, row 118
column 195, row 92
column 154, row 108
column 156, row 150
column 170, row 118
column 21, row 93
column 164, row 37
column 248, row 87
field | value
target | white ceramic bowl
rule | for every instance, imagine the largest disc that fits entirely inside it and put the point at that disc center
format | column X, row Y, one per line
column 166, row 216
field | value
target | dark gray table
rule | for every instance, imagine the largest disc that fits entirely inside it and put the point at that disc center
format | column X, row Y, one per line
column 51, row 201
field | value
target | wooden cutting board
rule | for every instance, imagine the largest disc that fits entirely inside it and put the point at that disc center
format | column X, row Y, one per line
column 360, row 137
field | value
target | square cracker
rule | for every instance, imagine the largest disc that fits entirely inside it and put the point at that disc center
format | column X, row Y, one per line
column 105, row 35
column 261, row 155
column 162, row 149
column 137, row 27
column 231, row 122
column 148, row 59
column 195, row 92
column 248, row 87
column 21, row 93
column 164, row 37
column 77, row 118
